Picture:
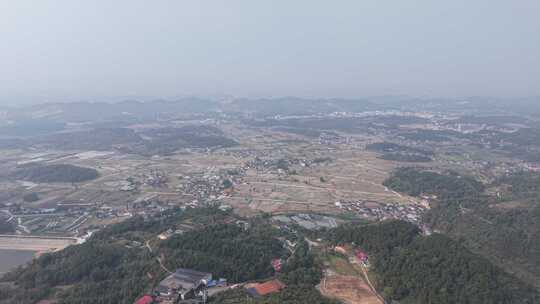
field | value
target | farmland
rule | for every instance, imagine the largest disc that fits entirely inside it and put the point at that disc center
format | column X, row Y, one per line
column 313, row 176
column 305, row 175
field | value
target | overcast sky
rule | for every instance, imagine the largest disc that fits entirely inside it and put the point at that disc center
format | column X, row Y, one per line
column 72, row 50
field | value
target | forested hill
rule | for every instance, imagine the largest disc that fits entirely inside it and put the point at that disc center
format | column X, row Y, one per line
column 58, row 173
column 121, row 262
column 116, row 265
column 448, row 186
column 411, row 268
column 503, row 228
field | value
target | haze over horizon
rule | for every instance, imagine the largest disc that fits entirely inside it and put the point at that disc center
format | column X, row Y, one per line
column 79, row 50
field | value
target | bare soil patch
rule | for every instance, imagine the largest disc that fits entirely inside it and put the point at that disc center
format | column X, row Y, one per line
column 349, row 289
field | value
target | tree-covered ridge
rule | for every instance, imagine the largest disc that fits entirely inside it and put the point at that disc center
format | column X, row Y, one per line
column 523, row 137
column 521, row 185
column 301, row 274
column 388, row 147
column 434, row 269
column 167, row 140
column 447, row 186
column 509, row 237
column 377, row 239
column 396, row 152
column 297, row 294
column 301, row 269
column 115, row 265
column 59, row 173
column 95, row 271
column 227, row 251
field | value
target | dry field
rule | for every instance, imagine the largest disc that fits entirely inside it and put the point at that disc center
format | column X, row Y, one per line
column 349, row 289
column 34, row 243
column 352, row 175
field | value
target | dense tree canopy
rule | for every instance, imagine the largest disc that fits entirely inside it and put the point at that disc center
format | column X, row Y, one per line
column 301, row 273
column 60, row 173
column 507, row 236
column 434, row 269
column 445, row 186
column 112, row 268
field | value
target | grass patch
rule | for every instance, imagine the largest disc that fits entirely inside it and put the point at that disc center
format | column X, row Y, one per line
column 341, row 265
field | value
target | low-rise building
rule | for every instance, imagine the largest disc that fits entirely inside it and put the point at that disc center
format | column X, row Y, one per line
column 263, row 289
column 183, row 284
column 146, row 299
column 362, row 256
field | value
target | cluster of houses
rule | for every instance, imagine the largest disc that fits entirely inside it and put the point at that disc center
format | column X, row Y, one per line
column 155, row 178
column 184, row 286
column 383, row 211
column 283, row 165
column 188, row 286
column 330, row 138
column 360, row 255
column 209, row 187
column 244, row 153
column 307, row 221
column 279, row 165
column 58, row 218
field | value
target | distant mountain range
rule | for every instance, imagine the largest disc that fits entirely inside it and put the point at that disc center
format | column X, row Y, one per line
column 99, row 111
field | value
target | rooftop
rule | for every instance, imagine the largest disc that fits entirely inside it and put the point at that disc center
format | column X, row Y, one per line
column 185, row 279
column 266, row 288
column 145, row 300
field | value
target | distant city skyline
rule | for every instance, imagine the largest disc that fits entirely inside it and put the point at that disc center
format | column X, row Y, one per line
column 115, row 50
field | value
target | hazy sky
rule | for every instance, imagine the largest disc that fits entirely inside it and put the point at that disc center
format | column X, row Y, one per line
column 68, row 50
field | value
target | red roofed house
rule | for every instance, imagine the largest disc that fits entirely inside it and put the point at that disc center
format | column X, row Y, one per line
column 340, row 249
column 145, row 300
column 362, row 256
column 259, row 290
column 276, row 264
